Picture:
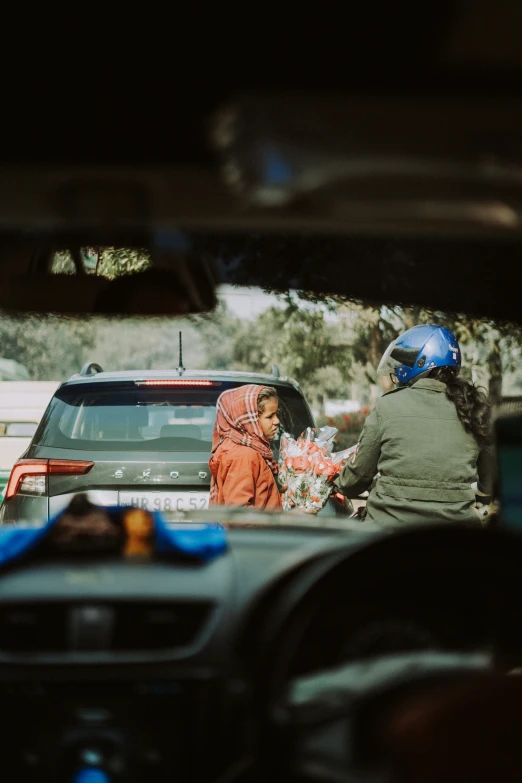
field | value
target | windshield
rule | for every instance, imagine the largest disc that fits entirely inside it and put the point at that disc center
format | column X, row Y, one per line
column 319, row 352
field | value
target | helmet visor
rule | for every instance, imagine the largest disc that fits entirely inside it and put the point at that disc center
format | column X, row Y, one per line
column 388, row 364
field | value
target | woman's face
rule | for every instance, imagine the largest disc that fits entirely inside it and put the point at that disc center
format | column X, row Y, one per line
column 269, row 420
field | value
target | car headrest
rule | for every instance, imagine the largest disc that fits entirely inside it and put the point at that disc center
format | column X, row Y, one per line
column 180, row 431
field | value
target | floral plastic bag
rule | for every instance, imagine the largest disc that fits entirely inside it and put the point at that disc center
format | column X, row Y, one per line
column 308, row 468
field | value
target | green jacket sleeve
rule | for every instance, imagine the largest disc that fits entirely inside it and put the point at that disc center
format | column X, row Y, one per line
column 358, row 474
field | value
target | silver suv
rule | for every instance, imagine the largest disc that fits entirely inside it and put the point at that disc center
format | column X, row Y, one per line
column 140, row 438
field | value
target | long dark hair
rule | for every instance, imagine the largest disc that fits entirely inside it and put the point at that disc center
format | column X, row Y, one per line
column 471, row 402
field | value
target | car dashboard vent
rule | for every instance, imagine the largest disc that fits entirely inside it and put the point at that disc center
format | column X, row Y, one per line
column 33, row 627
column 155, row 626
column 109, row 626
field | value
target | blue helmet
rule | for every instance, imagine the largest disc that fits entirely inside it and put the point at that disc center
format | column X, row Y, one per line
column 420, row 350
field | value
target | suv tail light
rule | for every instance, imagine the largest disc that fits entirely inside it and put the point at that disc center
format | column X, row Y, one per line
column 30, row 475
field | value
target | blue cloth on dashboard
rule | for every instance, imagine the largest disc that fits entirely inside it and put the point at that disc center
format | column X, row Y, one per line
column 16, row 541
column 199, row 541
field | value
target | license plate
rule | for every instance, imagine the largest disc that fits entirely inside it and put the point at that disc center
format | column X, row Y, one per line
column 165, row 501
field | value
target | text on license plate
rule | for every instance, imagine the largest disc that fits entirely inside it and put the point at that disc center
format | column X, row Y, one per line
column 165, row 501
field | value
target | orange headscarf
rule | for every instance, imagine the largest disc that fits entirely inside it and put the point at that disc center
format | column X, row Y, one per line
column 237, row 418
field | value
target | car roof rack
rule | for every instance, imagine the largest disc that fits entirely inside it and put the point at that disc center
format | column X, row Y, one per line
column 91, row 368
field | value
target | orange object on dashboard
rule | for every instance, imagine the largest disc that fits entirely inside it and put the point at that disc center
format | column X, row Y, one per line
column 139, row 532
column 26, row 469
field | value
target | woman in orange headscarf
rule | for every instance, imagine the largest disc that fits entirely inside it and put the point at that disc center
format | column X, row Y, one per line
column 242, row 464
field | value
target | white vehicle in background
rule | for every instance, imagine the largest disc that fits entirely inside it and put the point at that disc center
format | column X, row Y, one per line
column 22, row 405
column 338, row 407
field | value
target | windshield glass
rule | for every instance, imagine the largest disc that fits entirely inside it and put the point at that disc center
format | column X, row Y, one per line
column 300, row 328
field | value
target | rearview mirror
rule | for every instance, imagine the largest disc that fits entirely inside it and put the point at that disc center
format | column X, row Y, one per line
column 84, row 282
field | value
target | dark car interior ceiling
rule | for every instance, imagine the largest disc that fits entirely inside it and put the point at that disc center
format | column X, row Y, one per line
column 396, row 125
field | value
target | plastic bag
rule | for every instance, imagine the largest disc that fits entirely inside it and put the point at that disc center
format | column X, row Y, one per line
column 308, row 468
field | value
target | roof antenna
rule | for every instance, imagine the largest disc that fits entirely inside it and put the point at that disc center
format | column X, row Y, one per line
column 180, row 367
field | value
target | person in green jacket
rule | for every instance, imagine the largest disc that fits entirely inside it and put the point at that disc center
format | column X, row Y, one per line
column 427, row 441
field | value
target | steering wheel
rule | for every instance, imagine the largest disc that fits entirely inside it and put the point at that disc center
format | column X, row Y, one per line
column 336, row 725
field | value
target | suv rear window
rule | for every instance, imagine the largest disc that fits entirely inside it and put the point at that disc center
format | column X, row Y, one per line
column 114, row 417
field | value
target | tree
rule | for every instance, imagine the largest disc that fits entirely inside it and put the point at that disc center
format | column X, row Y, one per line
column 110, row 262
column 303, row 345
column 146, row 343
column 489, row 349
column 411, row 278
column 218, row 332
column 51, row 347
column 117, row 261
column 55, row 347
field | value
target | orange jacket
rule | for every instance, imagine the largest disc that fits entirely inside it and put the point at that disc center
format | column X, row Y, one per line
column 243, row 478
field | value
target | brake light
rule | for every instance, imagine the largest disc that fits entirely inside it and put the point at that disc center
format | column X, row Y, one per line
column 30, row 475
column 69, row 467
column 28, row 469
column 177, row 383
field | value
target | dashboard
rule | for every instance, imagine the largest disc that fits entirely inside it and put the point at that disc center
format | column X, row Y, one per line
column 152, row 667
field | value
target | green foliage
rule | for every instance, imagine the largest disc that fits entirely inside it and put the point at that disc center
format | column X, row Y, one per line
column 115, row 262
column 218, row 332
column 152, row 343
column 302, row 344
column 51, row 347
column 489, row 349
column 109, row 262
column 325, row 343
